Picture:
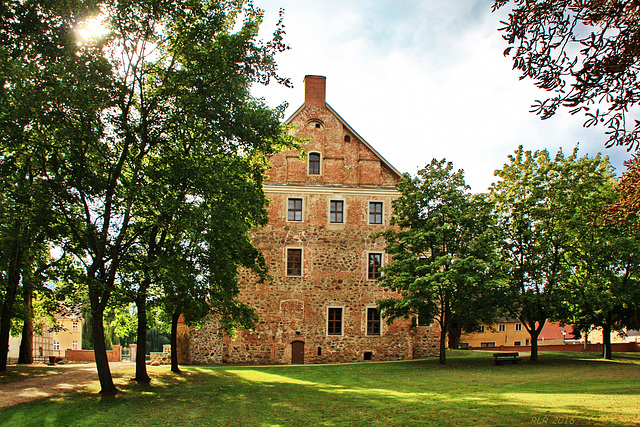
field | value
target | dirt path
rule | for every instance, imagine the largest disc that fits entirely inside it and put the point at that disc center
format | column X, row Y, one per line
column 69, row 378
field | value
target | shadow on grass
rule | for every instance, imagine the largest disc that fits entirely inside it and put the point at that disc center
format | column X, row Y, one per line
column 469, row 391
column 16, row 373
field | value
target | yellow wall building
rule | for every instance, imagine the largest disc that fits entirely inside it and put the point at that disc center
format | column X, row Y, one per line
column 511, row 332
column 53, row 341
column 69, row 335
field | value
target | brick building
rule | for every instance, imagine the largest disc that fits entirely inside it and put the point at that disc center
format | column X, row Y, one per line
column 321, row 303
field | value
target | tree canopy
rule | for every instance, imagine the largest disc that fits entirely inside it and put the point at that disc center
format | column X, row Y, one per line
column 34, row 67
column 441, row 253
column 586, row 53
column 624, row 210
column 137, row 125
column 602, row 291
column 539, row 203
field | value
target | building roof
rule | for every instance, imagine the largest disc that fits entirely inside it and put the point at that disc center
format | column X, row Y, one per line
column 553, row 331
column 69, row 311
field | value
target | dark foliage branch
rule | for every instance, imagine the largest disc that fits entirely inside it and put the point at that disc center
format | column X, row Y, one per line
column 586, row 53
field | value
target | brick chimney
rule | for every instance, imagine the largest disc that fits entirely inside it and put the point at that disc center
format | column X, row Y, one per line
column 315, row 88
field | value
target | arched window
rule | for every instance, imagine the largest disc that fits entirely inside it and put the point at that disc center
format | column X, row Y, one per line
column 314, row 163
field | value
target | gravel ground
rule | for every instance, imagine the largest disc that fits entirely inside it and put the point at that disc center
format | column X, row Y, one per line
column 67, row 378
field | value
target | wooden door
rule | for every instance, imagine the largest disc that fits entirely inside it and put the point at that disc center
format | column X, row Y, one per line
column 297, row 353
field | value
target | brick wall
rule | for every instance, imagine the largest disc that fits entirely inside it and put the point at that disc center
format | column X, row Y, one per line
column 426, row 341
column 114, row 355
column 344, row 163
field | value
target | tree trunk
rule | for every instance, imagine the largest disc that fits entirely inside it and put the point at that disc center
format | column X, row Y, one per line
column 174, row 341
column 26, row 344
column 443, row 345
column 5, row 330
column 5, row 316
column 534, row 333
column 454, row 337
column 606, row 342
column 107, row 386
column 444, row 323
column 141, row 353
column 534, row 347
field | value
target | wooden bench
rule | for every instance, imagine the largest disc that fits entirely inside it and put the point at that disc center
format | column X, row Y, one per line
column 500, row 358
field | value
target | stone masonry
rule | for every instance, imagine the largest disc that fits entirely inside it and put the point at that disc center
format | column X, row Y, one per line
column 297, row 308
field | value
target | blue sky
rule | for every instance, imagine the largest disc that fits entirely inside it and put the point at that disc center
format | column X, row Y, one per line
column 421, row 80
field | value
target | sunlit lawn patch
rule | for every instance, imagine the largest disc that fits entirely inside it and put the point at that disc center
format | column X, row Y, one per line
column 569, row 388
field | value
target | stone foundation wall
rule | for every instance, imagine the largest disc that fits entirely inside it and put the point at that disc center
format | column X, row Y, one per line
column 205, row 345
column 164, row 358
column 426, row 341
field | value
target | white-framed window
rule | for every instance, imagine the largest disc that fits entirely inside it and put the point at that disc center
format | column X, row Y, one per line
column 336, row 211
column 294, row 262
column 374, row 262
column 518, row 326
column 482, row 328
column 487, row 344
column 517, row 343
column 374, row 322
column 294, row 209
column 376, row 210
column 335, row 320
column 314, row 164
column 75, row 326
column 502, row 328
column 56, row 345
column 75, row 345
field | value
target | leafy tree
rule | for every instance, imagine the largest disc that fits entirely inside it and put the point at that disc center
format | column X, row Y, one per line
column 165, row 72
column 585, row 52
column 624, row 210
column 205, row 257
column 540, row 202
column 479, row 301
column 442, row 253
column 120, row 324
column 33, row 54
column 205, row 207
column 603, row 290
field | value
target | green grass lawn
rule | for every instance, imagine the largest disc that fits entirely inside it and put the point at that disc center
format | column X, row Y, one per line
column 562, row 389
